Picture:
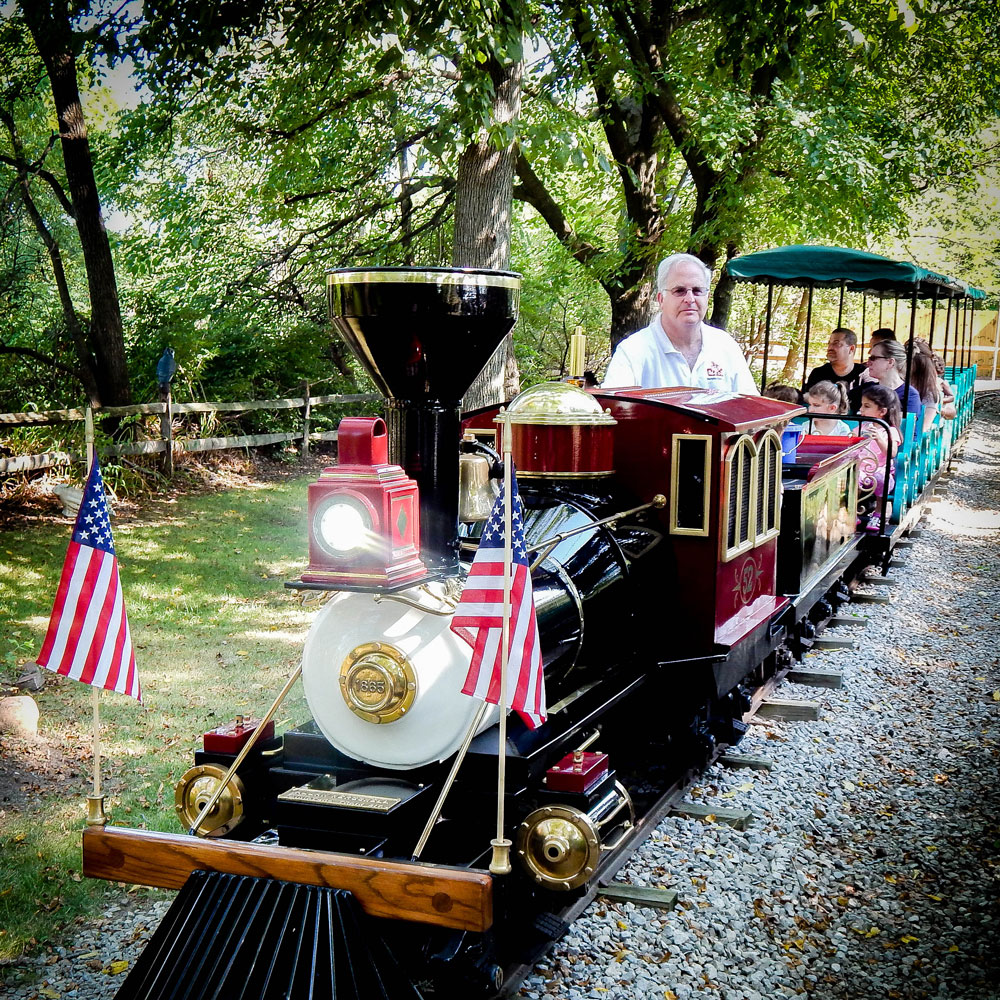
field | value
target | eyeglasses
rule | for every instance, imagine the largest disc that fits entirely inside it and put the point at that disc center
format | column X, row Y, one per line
column 878, row 357
column 679, row 292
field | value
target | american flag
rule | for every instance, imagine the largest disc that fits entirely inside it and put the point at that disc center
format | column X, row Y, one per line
column 481, row 611
column 88, row 637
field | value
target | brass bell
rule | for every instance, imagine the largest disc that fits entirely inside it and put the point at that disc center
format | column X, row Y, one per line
column 476, row 493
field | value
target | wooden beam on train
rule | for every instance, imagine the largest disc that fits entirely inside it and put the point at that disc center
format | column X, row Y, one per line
column 739, row 760
column 789, row 710
column 458, row 898
column 737, row 818
column 641, row 895
column 816, row 678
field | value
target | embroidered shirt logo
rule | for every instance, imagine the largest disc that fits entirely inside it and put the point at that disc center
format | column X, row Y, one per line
column 715, row 370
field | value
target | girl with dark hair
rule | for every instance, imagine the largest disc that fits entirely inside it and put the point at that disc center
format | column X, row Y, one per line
column 924, row 379
column 883, row 403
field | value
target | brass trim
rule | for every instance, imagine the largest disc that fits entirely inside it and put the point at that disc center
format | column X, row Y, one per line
column 704, row 531
column 772, row 482
column 603, row 419
column 343, row 800
column 96, row 816
column 559, row 846
column 193, row 791
column 564, row 475
column 377, row 682
column 748, row 468
column 425, row 276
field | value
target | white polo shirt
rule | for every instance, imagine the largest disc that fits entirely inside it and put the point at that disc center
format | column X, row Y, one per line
column 647, row 358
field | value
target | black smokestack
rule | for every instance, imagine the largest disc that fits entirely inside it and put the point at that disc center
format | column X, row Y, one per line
column 423, row 335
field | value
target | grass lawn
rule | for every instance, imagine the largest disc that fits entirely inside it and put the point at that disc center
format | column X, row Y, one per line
column 215, row 634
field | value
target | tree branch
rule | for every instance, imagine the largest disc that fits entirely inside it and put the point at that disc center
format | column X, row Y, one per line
column 28, row 352
column 533, row 191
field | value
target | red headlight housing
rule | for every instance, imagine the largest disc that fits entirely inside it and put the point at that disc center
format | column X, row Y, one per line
column 364, row 514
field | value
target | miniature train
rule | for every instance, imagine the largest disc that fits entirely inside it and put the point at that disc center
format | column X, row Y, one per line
column 677, row 562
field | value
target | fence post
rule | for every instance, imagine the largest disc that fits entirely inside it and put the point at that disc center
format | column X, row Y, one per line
column 167, row 431
column 306, row 412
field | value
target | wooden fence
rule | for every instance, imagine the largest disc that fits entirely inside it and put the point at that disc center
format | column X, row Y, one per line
column 167, row 443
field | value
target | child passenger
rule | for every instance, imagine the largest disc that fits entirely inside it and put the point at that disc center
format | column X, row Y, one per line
column 828, row 397
column 878, row 401
column 786, row 394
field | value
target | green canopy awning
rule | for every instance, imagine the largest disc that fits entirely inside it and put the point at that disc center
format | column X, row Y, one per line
column 833, row 267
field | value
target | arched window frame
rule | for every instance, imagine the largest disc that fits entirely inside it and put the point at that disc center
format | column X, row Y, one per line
column 741, row 468
column 768, row 475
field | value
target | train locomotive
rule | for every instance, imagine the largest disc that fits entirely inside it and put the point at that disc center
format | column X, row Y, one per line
column 350, row 856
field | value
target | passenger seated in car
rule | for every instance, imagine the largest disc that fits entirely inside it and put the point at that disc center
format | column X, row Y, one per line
column 883, row 403
column 786, row 394
column 828, row 397
column 924, row 378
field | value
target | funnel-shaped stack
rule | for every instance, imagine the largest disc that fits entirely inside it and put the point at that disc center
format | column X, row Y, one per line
column 424, row 334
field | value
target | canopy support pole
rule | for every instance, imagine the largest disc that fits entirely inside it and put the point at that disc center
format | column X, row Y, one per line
column 965, row 326
column 864, row 304
column 947, row 327
column 910, row 349
column 895, row 315
column 930, row 336
column 767, row 335
column 840, row 308
column 805, row 350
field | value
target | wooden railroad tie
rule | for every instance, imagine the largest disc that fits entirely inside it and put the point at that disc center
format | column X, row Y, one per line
column 904, row 543
column 789, row 710
column 641, row 895
column 885, row 581
column 736, row 760
column 817, row 678
column 832, row 642
column 860, row 620
column 897, row 563
column 870, row 598
column 736, row 818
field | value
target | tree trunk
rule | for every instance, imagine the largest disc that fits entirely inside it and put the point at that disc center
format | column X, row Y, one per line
column 50, row 28
column 483, row 196
column 631, row 309
column 790, row 374
column 722, row 300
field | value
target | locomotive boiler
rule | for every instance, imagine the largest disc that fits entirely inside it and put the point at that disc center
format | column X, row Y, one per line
column 651, row 520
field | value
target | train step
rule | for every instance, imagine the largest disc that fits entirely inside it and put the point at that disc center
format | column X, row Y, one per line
column 246, row 938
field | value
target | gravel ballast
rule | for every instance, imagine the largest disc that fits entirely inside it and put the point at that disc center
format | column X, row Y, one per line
column 871, row 868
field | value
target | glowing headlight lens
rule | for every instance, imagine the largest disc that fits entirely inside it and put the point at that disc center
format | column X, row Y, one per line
column 343, row 527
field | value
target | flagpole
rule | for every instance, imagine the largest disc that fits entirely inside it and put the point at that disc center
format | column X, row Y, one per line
column 500, row 863
column 95, row 802
column 450, row 780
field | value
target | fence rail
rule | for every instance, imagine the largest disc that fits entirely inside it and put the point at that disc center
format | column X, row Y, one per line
column 167, row 444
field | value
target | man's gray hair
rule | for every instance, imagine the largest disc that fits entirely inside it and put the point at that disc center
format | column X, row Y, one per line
column 667, row 265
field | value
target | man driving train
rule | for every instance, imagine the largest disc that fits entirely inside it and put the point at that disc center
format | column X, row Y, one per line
column 678, row 347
